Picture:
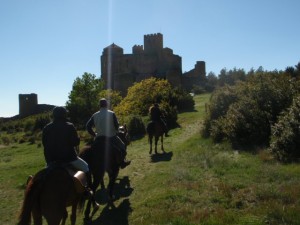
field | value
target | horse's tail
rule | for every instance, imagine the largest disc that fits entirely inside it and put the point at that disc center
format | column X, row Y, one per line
column 32, row 192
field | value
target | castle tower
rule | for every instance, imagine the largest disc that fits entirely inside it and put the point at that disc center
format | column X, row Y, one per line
column 153, row 43
column 137, row 49
column 111, row 64
column 27, row 104
column 200, row 67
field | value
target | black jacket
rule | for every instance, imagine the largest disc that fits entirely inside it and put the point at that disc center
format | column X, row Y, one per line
column 59, row 140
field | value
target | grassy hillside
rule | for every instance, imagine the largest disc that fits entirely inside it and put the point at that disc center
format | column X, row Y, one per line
column 196, row 182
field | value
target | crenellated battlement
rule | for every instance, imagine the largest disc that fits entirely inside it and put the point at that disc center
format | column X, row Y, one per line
column 153, row 42
column 137, row 49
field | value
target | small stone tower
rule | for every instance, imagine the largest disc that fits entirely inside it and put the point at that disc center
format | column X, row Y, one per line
column 27, row 104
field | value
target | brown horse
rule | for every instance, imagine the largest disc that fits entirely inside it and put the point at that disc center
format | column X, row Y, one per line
column 155, row 129
column 47, row 195
column 100, row 160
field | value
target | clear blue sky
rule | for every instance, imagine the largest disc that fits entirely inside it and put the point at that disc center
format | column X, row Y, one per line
column 45, row 45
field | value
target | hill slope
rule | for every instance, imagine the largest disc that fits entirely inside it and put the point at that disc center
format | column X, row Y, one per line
column 196, row 182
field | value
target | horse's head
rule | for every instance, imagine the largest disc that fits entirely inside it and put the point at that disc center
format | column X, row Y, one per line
column 123, row 134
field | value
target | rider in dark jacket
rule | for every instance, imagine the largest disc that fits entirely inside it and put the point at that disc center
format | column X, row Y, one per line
column 157, row 116
column 60, row 140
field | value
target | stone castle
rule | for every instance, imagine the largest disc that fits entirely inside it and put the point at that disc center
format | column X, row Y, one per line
column 119, row 71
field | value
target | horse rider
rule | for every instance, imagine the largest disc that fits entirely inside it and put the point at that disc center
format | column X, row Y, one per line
column 60, row 141
column 157, row 116
column 106, row 127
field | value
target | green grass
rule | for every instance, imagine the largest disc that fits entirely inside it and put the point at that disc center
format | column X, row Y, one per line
column 197, row 182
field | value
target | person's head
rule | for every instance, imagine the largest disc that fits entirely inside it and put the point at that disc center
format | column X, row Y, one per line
column 156, row 105
column 59, row 112
column 103, row 103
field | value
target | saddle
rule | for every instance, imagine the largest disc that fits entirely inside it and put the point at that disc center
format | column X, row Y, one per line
column 79, row 177
column 80, row 180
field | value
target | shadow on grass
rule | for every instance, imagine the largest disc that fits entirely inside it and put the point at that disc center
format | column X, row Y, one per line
column 167, row 156
column 122, row 189
column 114, row 215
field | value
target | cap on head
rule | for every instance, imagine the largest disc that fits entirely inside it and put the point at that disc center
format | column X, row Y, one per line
column 103, row 102
column 59, row 112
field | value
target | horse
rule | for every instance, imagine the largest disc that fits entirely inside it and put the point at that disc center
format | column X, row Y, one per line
column 155, row 129
column 48, row 194
column 101, row 161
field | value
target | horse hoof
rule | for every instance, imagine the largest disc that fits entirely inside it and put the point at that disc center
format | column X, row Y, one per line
column 87, row 221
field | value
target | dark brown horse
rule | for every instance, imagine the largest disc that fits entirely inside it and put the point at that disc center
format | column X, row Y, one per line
column 101, row 159
column 47, row 195
column 155, row 129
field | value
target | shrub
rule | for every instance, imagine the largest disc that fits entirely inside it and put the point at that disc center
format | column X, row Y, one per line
column 5, row 140
column 182, row 100
column 285, row 139
column 245, row 112
column 246, row 125
column 41, row 121
column 135, row 126
column 143, row 94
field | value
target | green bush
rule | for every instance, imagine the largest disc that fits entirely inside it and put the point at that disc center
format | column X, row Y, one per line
column 41, row 121
column 246, row 125
column 285, row 139
column 5, row 140
column 142, row 95
column 182, row 100
column 216, row 130
column 135, row 126
column 218, row 106
column 245, row 112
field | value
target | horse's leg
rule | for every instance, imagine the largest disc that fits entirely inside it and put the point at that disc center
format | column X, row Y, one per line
column 162, row 143
column 102, row 185
column 97, row 178
column 55, row 217
column 87, row 211
column 73, row 215
column 65, row 216
column 150, row 141
column 112, row 179
column 156, row 140
column 37, row 216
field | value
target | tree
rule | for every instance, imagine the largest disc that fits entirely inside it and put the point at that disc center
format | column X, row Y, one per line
column 143, row 94
column 84, row 98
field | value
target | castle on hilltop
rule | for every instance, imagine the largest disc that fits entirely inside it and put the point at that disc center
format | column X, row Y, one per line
column 119, row 71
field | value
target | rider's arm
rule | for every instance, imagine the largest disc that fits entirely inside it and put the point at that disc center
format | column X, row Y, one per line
column 74, row 136
column 116, row 122
column 89, row 127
